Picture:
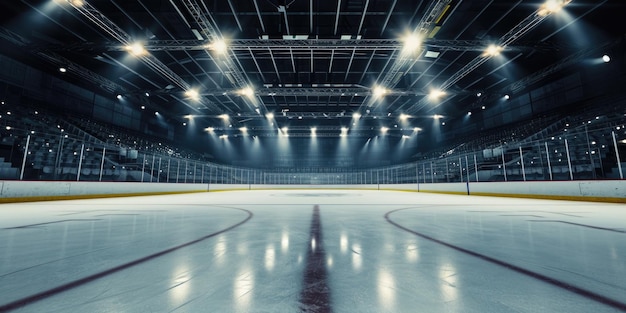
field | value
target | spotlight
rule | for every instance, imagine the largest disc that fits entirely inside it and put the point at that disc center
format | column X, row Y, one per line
column 193, row 94
column 606, row 58
column 469, row 113
column 313, row 132
column 136, row 49
column 243, row 129
column 483, row 107
column 412, row 43
column 404, row 117
column 379, row 91
column 218, row 46
column 143, row 107
column 210, row 129
column 552, row 6
column 119, row 97
column 384, row 130
column 147, row 94
column 248, row 92
column 188, row 116
column 416, row 129
column 405, row 137
column 269, row 116
column 492, row 51
column 507, row 97
column 223, row 116
column 479, row 94
column 437, row 116
column 223, row 137
column 62, row 69
column 356, row 115
column 156, row 113
column 435, row 94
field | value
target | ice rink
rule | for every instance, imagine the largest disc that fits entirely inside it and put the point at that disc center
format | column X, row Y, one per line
column 313, row 251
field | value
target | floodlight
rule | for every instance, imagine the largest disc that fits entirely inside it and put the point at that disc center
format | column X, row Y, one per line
column 384, row 129
column 248, row 91
column 412, row 43
column 606, row 58
column 62, row 69
column 552, row 6
column 269, row 115
column 243, row 129
column 136, row 49
column 435, row 94
column 405, row 137
column 119, row 97
column 379, row 91
column 437, row 116
column 356, row 115
column 210, row 129
column 507, row 97
column 218, row 46
column 223, row 116
column 493, row 50
column 417, row 129
column 193, row 94
column 404, row 117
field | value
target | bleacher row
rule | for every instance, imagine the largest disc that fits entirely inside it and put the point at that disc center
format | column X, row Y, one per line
column 56, row 142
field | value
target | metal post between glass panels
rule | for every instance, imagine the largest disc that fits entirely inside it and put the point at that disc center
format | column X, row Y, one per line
column 503, row 164
column 476, row 167
column 432, row 174
column 169, row 163
column 177, row 170
column 24, row 159
column 521, row 157
column 569, row 161
column 102, row 163
column 467, row 168
column 461, row 169
column 548, row 160
column 80, row 162
column 152, row 168
column 619, row 161
column 143, row 167
column 159, row 171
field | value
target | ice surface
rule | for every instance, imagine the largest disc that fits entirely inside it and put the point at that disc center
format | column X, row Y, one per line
column 249, row 251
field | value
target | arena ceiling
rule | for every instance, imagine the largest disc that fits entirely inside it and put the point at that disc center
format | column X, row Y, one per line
column 309, row 63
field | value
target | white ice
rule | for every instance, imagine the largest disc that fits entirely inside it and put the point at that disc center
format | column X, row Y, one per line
column 258, row 266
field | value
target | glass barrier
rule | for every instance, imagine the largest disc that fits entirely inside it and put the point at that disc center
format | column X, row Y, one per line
column 592, row 150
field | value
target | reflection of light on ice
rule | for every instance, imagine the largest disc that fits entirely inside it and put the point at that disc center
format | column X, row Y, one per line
column 270, row 258
column 299, row 258
column 343, row 243
column 356, row 256
column 242, row 290
column 313, row 244
column 284, row 242
column 386, row 290
column 180, row 285
column 330, row 261
column 219, row 251
column 412, row 253
column 447, row 279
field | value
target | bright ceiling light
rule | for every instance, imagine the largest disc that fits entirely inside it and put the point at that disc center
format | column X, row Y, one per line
column 248, row 92
column 243, row 129
column 469, row 113
column 606, row 58
column 224, row 137
column 62, row 69
column 435, row 94
column 219, row 46
column 379, row 91
column 507, row 97
column 404, row 117
column 417, row 129
column 492, row 51
column 356, row 115
column 223, row 116
column 136, row 49
column 552, row 6
column 285, row 129
column 269, row 116
column 344, row 129
column 384, row 129
column 405, row 137
column 412, row 43
column 210, row 129
column 188, row 116
column 313, row 132
column 78, row 3
column 119, row 97
column 193, row 94
column 437, row 116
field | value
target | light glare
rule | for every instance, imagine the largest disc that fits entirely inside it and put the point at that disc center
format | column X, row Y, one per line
column 606, row 58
